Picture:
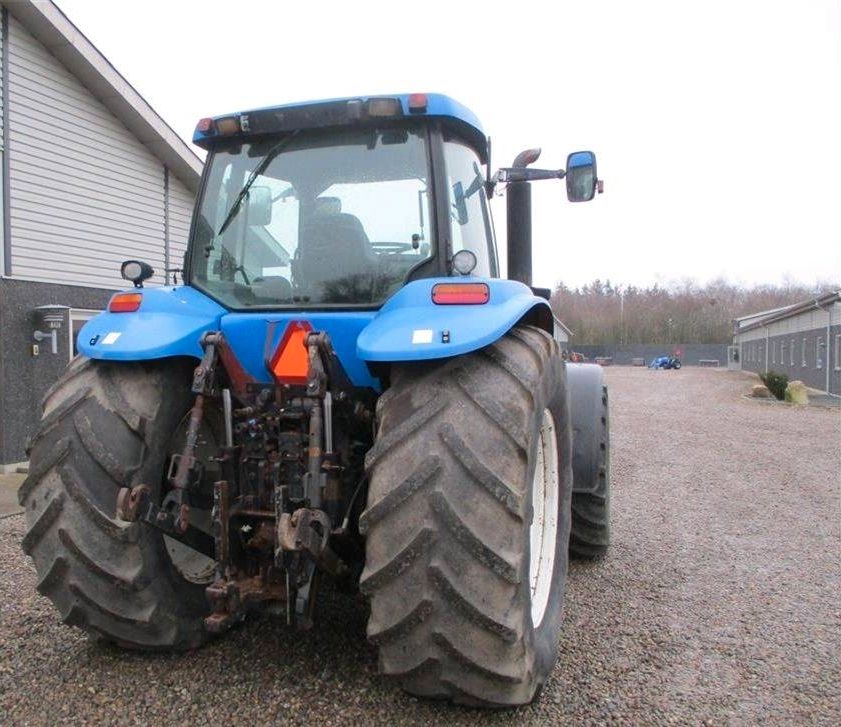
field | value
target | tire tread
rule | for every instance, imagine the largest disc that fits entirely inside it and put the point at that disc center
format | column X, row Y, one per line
column 451, row 641
column 101, row 575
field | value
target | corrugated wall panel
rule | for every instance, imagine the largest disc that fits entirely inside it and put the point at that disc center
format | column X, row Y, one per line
column 85, row 193
column 181, row 202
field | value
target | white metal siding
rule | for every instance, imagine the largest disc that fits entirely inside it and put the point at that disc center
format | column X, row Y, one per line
column 809, row 320
column 180, row 211
column 85, row 193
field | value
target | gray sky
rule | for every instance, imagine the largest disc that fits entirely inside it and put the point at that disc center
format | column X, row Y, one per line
column 717, row 124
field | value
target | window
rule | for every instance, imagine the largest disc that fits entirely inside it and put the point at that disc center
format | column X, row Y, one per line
column 819, row 353
column 334, row 217
column 791, row 353
column 78, row 318
column 469, row 218
column 803, row 353
column 837, row 356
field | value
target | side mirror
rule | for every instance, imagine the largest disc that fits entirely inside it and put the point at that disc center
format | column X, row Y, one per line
column 259, row 206
column 581, row 176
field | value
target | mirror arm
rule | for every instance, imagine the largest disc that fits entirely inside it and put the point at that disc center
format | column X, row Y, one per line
column 523, row 174
column 490, row 180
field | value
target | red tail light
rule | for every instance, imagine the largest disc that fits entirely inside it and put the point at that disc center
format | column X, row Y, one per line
column 461, row 293
column 125, row 302
column 290, row 363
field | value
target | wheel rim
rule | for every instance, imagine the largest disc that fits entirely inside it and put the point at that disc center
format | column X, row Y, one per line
column 192, row 565
column 543, row 531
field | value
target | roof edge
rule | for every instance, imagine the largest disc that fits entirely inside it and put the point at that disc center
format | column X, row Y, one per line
column 51, row 27
column 818, row 302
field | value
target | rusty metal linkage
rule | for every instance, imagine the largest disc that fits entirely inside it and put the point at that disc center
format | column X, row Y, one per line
column 278, row 495
column 136, row 505
column 230, row 600
column 304, row 530
column 129, row 501
column 221, row 521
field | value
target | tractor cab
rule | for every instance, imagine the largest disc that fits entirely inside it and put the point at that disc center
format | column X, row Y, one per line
column 339, row 204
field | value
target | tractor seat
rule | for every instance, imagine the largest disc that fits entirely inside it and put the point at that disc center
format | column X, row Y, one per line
column 333, row 248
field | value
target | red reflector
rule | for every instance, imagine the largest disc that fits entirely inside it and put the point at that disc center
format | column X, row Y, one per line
column 460, row 293
column 204, row 125
column 125, row 302
column 290, row 363
column 417, row 102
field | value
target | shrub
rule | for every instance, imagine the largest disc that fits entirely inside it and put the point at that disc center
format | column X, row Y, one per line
column 776, row 383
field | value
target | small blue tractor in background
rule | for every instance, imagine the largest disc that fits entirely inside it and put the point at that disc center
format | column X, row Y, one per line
column 665, row 362
column 344, row 387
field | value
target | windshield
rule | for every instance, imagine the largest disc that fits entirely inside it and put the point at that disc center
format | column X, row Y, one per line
column 336, row 217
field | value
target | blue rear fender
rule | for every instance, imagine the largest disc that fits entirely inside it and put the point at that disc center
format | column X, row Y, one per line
column 410, row 327
column 169, row 322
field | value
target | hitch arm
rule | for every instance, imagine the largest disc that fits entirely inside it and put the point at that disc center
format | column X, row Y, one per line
column 136, row 505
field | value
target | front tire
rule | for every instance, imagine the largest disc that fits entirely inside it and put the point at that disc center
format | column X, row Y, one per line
column 469, row 475
column 107, row 426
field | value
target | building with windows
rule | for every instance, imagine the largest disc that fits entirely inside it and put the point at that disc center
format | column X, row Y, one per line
column 91, row 176
column 801, row 340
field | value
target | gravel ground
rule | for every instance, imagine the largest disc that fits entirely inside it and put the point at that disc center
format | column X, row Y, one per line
column 718, row 603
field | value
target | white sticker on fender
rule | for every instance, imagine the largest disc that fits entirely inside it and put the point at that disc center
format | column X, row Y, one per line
column 111, row 338
column 422, row 335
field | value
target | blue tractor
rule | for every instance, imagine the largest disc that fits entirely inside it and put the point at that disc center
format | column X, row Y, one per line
column 665, row 362
column 343, row 387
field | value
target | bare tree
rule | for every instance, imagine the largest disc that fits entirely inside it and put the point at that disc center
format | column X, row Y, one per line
column 681, row 312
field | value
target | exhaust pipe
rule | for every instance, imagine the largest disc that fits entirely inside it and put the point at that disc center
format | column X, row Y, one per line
column 518, row 200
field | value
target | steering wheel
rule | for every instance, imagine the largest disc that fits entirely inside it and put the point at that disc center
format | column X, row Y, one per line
column 391, row 248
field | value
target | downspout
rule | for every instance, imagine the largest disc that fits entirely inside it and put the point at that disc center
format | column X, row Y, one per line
column 6, row 268
column 766, row 348
column 827, row 357
column 6, row 170
column 167, row 262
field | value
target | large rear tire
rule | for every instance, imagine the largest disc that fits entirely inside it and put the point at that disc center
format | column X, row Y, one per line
column 467, row 522
column 107, row 426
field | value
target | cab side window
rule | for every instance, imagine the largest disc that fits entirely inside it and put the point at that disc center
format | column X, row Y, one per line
column 468, row 206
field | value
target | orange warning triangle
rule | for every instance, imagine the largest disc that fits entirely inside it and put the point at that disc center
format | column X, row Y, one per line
column 290, row 363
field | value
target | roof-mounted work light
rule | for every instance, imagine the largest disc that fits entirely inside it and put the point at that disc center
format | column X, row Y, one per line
column 384, row 107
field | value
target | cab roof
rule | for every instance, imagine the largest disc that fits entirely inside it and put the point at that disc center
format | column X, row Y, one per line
column 350, row 111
